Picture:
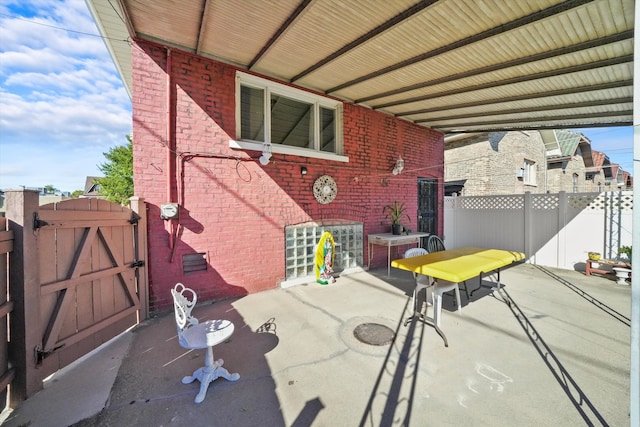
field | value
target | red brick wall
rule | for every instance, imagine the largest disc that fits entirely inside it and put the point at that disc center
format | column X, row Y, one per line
column 233, row 209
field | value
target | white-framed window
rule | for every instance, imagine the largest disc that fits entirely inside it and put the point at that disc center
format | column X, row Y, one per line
column 289, row 120
column 530, row 172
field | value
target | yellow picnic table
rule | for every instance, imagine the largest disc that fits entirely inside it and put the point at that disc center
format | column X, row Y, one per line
column 458, row 265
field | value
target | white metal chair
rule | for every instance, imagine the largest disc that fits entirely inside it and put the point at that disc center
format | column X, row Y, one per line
column 435, row 244
column 422, row 281
column 194, row 335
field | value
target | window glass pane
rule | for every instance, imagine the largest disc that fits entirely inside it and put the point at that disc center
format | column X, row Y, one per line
column 327, row 130
column 291, row 122
column 529, row 172
column 252, row 113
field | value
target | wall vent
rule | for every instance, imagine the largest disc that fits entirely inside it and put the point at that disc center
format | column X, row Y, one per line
column 194, row 262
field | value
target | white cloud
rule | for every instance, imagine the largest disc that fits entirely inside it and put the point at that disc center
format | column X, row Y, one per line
column 62, row 103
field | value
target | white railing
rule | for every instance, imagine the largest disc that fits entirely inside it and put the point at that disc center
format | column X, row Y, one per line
column 555, row 230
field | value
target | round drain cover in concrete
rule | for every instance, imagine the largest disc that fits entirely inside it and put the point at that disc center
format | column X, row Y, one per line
column 373, row 334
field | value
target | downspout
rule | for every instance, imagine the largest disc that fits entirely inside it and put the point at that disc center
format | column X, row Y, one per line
column 171, row 149
column 168, row 137
column 168, row 129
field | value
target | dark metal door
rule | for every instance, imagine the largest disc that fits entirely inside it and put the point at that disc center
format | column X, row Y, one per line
column 427, row 206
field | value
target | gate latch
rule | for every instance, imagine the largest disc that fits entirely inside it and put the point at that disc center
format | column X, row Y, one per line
column 137, row 264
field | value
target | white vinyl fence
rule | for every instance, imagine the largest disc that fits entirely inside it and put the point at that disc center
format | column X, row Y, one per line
column 554, row 230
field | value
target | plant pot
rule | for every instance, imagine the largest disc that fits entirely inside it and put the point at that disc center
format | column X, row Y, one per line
column 396, row 229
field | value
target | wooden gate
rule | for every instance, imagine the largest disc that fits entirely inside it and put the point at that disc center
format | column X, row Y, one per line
column 89, row 270
column 84, row 260
column 6, row 307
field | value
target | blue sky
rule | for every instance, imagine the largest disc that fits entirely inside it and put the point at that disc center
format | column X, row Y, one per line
column 63, row 104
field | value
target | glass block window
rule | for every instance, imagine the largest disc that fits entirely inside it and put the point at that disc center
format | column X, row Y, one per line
column 301, row 241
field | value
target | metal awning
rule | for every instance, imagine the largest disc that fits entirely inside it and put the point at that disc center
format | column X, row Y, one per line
column 451, row 65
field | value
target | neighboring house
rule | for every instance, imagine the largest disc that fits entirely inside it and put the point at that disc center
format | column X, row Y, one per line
column 51, row 198
column 229, row 214
column 568, row 155
column 515, row 162
column 607, row 176
column 600, row 174
column 494, row 163
column 620, row 179
column 44, row 199
column 91, row 188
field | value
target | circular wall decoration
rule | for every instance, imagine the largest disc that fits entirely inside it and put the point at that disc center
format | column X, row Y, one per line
column 325, row 189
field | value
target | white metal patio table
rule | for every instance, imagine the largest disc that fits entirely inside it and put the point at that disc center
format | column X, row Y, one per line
column 389, row 240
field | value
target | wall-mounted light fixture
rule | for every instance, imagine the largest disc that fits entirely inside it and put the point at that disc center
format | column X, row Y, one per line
column 303, row 170
column 397, row 169
column 266, row 154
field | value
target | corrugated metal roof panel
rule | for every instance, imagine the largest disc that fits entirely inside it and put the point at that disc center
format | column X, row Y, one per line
column 406, row 56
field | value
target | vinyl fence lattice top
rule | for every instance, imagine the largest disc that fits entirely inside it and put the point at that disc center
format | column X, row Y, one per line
column 492, row 202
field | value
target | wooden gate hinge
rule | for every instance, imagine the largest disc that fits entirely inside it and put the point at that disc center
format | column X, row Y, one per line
column 134, row 218
column 37, row 222
column 137, row 264
column 40, row 354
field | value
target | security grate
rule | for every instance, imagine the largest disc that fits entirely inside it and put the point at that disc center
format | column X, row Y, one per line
column 301, row 241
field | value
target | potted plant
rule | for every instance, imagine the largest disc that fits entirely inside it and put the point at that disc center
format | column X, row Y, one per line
column 396, row 212
column 625, row 253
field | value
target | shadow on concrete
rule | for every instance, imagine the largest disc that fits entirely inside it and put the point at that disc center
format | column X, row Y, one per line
column 401, row 365
column 148, row 389
column 574, row 393
column 601, row 305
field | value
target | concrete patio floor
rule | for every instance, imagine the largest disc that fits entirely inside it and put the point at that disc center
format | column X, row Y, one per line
column 551, row 348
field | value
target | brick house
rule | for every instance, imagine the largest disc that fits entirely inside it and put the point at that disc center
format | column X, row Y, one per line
column 601, row 173
column 490, row 163
column 345, row 93
column 515, row 162
column 568, row 156
column 229, row 235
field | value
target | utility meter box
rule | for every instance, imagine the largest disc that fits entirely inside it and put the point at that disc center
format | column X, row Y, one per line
column 169, row 211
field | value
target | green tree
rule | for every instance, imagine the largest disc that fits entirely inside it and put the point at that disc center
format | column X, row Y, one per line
column 117, row 183
column 77, row 194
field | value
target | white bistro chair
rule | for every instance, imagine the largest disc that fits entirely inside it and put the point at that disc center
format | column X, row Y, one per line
column 435, row 244
column 194, row 335
column 422, row 281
